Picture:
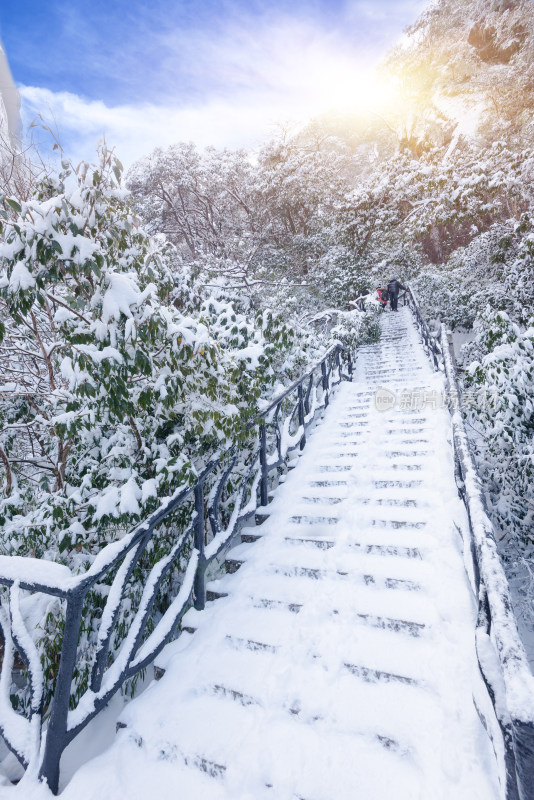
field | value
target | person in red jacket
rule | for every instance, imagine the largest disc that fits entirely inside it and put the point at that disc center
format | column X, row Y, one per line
column 382, row 297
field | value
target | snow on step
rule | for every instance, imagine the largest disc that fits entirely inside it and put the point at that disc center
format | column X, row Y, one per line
column 337, row 662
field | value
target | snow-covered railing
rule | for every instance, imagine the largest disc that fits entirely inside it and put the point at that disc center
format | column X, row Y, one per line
column 200, row 522
column 431, row 343
column 509, row 718
column 506, row 703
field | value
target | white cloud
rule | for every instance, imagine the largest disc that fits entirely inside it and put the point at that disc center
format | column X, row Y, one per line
column 136, row 130
column 247, row 77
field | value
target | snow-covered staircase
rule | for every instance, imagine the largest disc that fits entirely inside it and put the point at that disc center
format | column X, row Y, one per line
column 335, row 660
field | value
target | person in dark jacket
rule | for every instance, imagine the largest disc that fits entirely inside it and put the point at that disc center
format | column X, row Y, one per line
column 394, row 288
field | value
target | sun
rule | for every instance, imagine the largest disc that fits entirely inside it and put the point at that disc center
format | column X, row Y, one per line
column 357, row 91
column 340, row 86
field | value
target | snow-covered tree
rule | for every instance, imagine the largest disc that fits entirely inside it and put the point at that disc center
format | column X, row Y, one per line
column 111, row 397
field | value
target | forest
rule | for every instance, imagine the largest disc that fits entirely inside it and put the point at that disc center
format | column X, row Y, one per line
column 146, row 317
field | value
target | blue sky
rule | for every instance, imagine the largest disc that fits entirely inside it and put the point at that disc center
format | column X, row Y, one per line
column 221, row 73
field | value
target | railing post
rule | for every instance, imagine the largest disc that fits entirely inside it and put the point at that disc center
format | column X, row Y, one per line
column 200, row 577
column 56, row 735
column 264, row 479
column 307, row 395
column 523, row 736
column 301, row 416
column 349, row 361
column 325, row 383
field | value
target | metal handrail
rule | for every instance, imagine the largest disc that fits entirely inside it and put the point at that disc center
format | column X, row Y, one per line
column 224, row 496
column 505, row 703
column 513, row 699
column 430, row 342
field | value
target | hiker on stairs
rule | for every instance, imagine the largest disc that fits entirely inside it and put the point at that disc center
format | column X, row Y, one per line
column 394, row 288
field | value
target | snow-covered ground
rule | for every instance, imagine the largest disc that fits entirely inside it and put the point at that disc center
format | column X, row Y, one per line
column 340, row 662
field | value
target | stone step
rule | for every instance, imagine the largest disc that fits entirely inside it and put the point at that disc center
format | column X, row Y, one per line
column 393, row 501
column 400, row 664
column 405, row 431
column 325, row 484
column 407, row 453
column 212, row 594
column 314, row 738
column 334, row 468
column 383, row 622
column 264, row 602
column 376, row 675
column 409, row 627
column 193, row 761
column 314, row 573
column 298, row 713
column 238, row 643
column 336, row 448
column 398, row 524
column 407, row 467
column 327, row 501
column 398, row 429
column 317, row 573
column 388, row 550
column 235, row 694
column 322, row 544
column 234, row 562
column 393, row 484
column 250, row 538
column 397, row 625
column 414, row 367
column 210, row 768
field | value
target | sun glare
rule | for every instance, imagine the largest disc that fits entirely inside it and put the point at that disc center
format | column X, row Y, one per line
column 359, row 91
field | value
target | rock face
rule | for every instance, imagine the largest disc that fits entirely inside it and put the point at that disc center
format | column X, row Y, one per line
column 468, row 66
column 484, row 39
column 9, row 102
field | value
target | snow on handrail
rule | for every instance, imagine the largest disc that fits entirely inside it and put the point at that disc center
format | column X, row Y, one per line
column 38, row 749
column 518, row 678
column 430, row 342
column 282, row 396
column 511, row 689
column 501, row 655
